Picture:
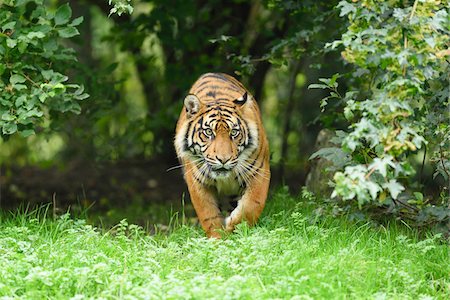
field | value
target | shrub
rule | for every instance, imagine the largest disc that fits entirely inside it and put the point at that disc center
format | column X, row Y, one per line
column 33, row 62
column 399, row 105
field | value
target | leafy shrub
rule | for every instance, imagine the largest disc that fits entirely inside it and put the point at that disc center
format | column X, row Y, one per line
column 120, row 7
column 33, row 59
column 399, row 104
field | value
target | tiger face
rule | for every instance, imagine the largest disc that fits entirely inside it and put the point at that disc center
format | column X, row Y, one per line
column 218, row 138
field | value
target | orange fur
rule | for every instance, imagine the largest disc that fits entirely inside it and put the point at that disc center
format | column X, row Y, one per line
column 222, row 145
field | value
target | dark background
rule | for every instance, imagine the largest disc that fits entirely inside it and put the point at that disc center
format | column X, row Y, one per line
column 112, row 160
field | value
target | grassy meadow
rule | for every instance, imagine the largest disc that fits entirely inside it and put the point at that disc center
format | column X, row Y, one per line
column 290, row 254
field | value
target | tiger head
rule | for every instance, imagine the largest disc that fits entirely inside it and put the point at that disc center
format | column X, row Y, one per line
column 218, row 136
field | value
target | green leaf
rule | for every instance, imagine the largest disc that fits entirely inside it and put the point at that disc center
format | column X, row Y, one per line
column 346, row 8
column 59, row 88
column 68, row 32
column 373, row 189
column 9, row 25
column 20, row 100
column 27, row 132
column 42, row 97
column 47, row 74
column 16, row 78
column 22, row 47
column 82, row 96
column 9, row 128
column 33, row 113
column 19, row 86
column 381, row 164
column 37, row 34
column 63, row 14
column 8, row 117
column 11, row 43
column 333, row 80
column 23, row 2
column 77, row 21
column 419, row 196
column 317, row 86
column 394, row 188
column 50, row 46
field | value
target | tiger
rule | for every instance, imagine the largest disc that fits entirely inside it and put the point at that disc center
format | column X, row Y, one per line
column 222, row 146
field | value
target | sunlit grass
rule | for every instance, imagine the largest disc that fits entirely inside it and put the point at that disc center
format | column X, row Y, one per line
column 290, row 253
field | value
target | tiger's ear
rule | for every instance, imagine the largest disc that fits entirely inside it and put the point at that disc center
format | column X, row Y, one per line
column 192, row 104
column 241, row 100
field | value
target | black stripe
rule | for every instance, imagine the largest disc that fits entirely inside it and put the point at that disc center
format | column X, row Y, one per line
column 186, row 136
column 203, row 83
column 217, row 76
column 213, row 104
column 246, row 128
column 213, row 87
column 224, row 104
column 224, row 99
column 257, row 156
column 212, row 218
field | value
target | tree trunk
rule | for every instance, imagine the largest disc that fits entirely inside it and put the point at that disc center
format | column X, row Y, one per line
column 290, row 106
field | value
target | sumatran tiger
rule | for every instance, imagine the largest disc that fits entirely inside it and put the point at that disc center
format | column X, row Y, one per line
column 222, row 146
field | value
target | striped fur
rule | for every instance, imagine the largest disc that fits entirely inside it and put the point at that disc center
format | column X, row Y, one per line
column 222, row 145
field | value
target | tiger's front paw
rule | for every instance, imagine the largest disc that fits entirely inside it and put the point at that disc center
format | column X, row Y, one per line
column 214, row 234
column 229, row 224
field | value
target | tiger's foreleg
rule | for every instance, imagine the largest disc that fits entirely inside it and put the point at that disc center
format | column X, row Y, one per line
column 252, row 203
column 205, row 206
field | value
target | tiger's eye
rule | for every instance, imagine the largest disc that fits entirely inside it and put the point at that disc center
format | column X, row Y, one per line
column 234, row 132
column 208, row 132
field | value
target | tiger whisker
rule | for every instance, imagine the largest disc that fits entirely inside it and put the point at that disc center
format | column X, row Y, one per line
column 258, row 171
column 173, row 168
column 261, row 173
column 193, row 169
column 243, row 174
column 188, row 163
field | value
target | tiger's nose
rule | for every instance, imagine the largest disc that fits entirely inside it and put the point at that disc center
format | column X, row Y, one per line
column 223, row 160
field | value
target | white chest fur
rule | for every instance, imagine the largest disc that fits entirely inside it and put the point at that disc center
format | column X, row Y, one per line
column 227, row 185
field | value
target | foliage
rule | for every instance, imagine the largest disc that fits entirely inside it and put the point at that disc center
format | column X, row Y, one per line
column 161, row 43
column 120, row 7
column 291, row 254
column 297, row 57
column 308, row 31
column 399, row 104
column 33, row 61
column 137, row 69
column 151, row 57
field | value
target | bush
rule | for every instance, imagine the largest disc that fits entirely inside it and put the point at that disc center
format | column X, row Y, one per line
column 399, row 105
column 33, row 61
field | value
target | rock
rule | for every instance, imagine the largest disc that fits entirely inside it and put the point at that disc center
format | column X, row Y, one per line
column 318, row 177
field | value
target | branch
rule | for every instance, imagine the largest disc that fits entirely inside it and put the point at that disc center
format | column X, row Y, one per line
column 288, row 112
column 413, row 10
column 397, row 201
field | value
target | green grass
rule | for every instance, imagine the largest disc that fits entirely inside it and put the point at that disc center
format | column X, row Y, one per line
column 289, row 254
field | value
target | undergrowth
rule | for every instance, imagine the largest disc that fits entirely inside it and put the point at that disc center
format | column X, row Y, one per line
column 291, row 253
